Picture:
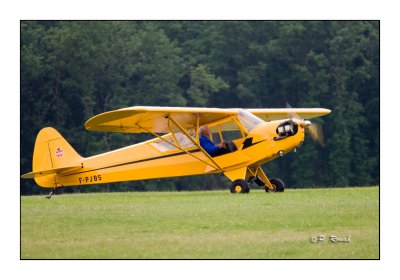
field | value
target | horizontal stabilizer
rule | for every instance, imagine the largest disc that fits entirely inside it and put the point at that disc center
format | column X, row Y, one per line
column 53, row 171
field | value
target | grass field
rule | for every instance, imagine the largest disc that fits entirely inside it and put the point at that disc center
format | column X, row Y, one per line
column 202, row 225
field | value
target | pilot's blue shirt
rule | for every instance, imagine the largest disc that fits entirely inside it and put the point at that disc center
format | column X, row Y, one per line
column 208, row 145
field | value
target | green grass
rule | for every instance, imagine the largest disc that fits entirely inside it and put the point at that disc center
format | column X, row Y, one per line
column 197, row 225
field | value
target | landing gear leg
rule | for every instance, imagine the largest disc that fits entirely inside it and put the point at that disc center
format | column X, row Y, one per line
column 273, row 185
column 49, row 195
column 55, row 190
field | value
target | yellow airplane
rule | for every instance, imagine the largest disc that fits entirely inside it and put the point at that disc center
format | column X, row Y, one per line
column 251, row 138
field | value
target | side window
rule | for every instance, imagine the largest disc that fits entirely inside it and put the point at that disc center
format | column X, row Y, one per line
column 215, row 135
column 163, row 146
column 184, row 141
column 230, row 131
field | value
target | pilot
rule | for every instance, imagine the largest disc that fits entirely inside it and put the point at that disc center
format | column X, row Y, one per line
column 208, row 145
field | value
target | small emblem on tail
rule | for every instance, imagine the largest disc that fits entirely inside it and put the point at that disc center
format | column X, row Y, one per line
column 59, row 152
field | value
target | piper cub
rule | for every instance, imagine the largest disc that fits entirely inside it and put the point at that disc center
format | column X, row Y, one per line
column 188, row 141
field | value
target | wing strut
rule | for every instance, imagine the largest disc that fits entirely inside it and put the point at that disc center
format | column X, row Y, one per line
column 178, row 147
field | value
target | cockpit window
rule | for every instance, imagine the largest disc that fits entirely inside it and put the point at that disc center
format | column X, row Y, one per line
column 184, row 141
column 249, row 120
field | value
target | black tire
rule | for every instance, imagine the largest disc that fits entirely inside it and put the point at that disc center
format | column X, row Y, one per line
column 240, row 186
column 278, row 183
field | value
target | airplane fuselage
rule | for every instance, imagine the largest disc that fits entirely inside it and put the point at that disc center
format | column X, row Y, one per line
column 147, row 161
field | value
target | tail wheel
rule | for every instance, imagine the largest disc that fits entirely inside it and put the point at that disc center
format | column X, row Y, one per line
column 278, row 184
column 240, row 186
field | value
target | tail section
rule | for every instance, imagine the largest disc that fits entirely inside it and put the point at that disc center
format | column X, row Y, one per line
column 52, row 155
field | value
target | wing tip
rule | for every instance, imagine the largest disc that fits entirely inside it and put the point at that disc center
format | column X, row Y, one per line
column 326, row 111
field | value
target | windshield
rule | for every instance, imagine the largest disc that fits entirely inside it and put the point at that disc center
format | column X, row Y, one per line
column 249, row 120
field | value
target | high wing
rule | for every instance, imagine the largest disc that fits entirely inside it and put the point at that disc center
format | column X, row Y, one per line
column 155, row 119
column 285, row 113
column 140, row 119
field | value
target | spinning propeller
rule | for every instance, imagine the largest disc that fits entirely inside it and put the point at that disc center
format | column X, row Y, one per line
column 314, row 129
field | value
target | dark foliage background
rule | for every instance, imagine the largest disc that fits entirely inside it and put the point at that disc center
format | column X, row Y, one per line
column 72, row 70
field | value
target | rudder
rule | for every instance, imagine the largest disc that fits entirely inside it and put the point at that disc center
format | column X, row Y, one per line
column 52, row 151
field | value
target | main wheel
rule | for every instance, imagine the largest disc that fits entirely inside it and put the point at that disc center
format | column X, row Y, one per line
column 240, row 186
column 278, row 183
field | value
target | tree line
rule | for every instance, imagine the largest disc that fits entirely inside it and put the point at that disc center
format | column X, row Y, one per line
column 73, row 70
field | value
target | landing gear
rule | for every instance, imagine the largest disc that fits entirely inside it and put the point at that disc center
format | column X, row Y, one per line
column 257, row 180
column 253, row 175
column 240, row 186
column 56, row 190
column 49, row 195
column 278, row 185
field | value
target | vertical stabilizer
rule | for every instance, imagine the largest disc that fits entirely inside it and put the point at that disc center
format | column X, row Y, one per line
column 52, row 151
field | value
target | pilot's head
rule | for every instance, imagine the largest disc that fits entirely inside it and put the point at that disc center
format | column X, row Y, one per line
column 204, row 130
